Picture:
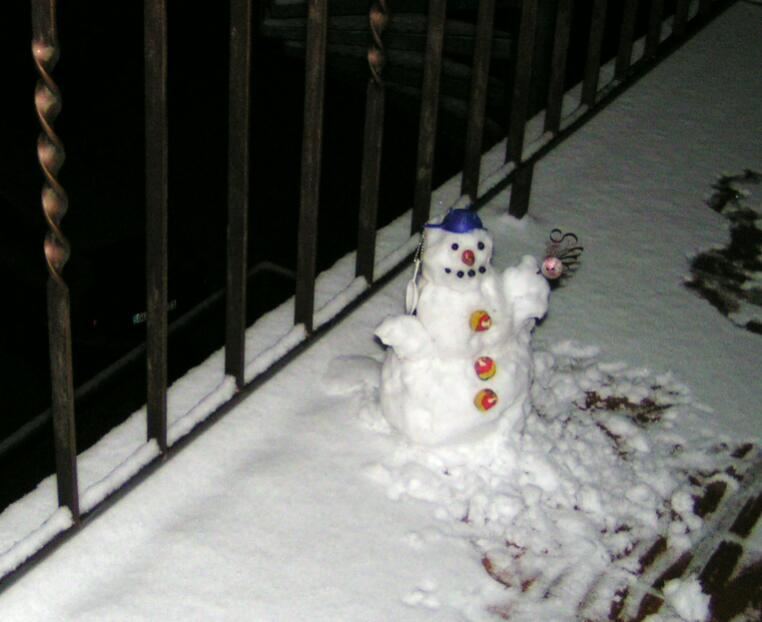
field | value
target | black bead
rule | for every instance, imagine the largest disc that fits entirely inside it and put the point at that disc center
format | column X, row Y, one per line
column 447, row 270
column 460, row 274
column 481, row 246
column 454, row 246
column 482, row 269
column 472, row 273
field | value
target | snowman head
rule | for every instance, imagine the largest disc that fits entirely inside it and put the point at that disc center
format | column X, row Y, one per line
column 457, row 251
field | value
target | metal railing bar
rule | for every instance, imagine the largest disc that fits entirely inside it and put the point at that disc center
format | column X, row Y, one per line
column 372, row 145
column 626, row 38
column 238, row 187
column 558, row 67
column 51, row 156
column 521, row 189
column 681, row 17
column 477, row 104
column 62, row 404
column 522, row 81
column 429, row 109
column 314, row 87
column 519, row 203
column 370, row 180
column 655, row 17
column 594, row 50
column 156, row 180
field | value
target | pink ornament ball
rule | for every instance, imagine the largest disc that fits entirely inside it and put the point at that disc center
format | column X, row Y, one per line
column 552, row 268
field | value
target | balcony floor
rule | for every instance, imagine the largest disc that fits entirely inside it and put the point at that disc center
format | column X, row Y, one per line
column 300, row 505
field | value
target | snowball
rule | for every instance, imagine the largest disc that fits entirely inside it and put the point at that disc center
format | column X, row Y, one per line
column 687, row 599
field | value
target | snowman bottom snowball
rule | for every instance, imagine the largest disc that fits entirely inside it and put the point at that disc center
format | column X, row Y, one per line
column 442, row 401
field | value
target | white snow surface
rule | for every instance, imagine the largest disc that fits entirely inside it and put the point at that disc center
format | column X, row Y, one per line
column 303, row 504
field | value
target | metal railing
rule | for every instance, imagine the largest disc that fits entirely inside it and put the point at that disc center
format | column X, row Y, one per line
column 683, row 20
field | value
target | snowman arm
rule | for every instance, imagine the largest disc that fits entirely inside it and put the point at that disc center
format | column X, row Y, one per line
column 406, row 335
column 526, row 290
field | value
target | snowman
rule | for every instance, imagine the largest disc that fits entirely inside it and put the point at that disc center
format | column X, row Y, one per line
column 458, row 365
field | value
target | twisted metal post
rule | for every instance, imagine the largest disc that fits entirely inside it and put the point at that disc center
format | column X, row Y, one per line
column 51, row 155
column 50, row 150
column 378, row 19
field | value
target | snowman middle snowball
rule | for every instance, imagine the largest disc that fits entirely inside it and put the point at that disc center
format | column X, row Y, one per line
column 462, row 364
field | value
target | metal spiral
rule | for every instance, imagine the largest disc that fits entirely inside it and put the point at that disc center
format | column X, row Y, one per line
column 379, row 18
column 50, row 152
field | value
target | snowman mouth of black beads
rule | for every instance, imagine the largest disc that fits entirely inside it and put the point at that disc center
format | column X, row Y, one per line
column 467, row 267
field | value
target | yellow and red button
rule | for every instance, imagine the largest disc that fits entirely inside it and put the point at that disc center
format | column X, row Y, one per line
column 485, row 367
column 480, row 321
column 485, row 399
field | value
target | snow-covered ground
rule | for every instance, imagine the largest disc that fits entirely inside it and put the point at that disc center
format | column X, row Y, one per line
column 301, row 504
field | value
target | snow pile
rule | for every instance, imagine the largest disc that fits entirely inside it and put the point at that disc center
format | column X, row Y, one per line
column 687, row 599
column 565, row 506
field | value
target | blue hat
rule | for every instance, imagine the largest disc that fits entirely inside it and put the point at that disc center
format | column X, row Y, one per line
column 459, row 221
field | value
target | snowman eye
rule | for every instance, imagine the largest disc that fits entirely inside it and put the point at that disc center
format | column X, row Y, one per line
column 454, row 246
column 480, row 246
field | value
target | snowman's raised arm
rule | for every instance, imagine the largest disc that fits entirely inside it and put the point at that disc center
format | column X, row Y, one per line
column 526, row 290
column 406, row 335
